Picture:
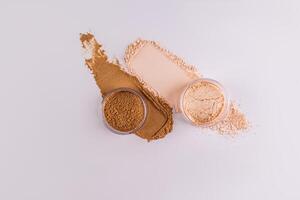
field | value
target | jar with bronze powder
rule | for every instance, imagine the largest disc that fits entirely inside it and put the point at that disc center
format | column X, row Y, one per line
column 204, row 102
column 124, row 110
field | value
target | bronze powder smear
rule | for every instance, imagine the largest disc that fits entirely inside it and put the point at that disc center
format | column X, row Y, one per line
column 110, row 76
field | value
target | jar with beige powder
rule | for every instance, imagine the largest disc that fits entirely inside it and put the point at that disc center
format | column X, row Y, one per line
column 204, row 102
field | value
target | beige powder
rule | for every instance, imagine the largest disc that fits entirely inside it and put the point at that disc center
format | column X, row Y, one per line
column 160, row 70
column 203, row 103
column 167, row 75
column 234, row 122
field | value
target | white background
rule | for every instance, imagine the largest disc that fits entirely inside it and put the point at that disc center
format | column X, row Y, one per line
column 53, row 143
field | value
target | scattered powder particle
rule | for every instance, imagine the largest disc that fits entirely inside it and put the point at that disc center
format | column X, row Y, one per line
column 203, row 102
column 124, row 111
column 109, row 76
column 234, row 123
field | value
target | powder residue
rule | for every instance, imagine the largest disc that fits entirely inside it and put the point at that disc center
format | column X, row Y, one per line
column 233, row 123
column 109, row 76
column 203, row 103
column 124, row 111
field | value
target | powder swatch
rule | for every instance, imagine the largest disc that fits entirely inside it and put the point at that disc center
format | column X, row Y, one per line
column 110, row 76
column 164, row 72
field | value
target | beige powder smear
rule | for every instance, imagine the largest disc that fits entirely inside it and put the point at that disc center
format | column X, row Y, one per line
column 167, row 75
column 160, row 70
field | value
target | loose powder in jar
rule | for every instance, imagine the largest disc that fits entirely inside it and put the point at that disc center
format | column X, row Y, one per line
column 124, row 111
column 203, row 102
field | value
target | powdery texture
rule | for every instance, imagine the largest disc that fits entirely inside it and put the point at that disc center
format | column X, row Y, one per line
column 110, row 76
column 234, row 123
column 124, row 111
column 161, row 71
column 133, row 49
column 203, row 103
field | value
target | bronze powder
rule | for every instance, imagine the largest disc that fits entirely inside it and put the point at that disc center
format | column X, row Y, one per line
column 110, row 76
column 124, row 111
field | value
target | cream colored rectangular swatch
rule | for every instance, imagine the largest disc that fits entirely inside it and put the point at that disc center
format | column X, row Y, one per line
column 157, row 70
